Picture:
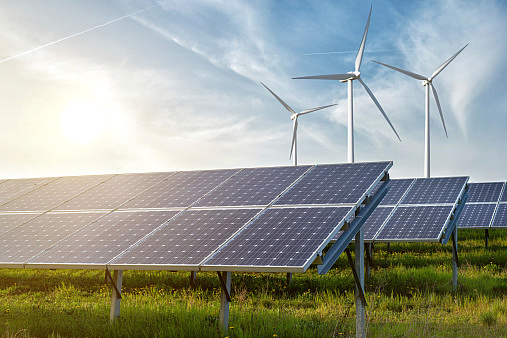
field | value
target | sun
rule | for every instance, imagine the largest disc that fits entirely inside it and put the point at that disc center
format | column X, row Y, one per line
column 82, row 121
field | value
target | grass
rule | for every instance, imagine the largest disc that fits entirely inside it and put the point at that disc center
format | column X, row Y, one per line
column 409, row 295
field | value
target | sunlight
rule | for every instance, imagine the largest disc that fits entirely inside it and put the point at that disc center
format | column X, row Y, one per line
column 82, row 121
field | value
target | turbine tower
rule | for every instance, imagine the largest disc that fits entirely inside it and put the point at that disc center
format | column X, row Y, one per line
column 294, row 118
column 349, row 77
column 428, row 82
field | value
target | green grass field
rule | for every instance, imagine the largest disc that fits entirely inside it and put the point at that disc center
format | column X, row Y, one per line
column 409, row 295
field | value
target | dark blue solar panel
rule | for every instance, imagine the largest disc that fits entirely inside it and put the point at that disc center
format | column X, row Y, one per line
column 476, row 215
column 504, row 194
column 253, row 186
column 396, row 190
column 181, row 189
column 286, row 237
column 335, row 183
column 375, row 222
column 106, row 238
column 421, row 223
column 435, row 190
column 189, row 238
column 484, row 192
column 500, row 220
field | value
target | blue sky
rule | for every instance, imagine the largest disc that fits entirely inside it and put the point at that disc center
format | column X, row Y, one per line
column 176, row 87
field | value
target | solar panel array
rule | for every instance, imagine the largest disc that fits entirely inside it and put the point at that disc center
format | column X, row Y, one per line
column 415, row 210
column 486, row 206
column 253, row 219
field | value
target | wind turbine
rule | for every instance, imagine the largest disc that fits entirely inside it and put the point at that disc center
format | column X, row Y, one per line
column 294, row 117
column 349, row 77
column 428, row 82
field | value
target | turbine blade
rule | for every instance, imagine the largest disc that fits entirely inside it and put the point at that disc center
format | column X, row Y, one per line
column 435, row 95
column 279, row 100
column 315, row 109
column 340, row 77
column 406, row 72
column 294, row 135
column 379, row 106
column 359, row 57
column 441, row 68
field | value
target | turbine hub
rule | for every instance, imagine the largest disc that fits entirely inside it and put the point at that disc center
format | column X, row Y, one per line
column 293, row 116
column 426, row 82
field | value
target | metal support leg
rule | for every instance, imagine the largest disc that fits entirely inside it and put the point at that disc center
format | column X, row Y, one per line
column 225, row 299
column 289, row 278
column 193, row 277
column 360, row 303
column 486, row 237
column 369, row 259
column 116, row 281
column 455, row 261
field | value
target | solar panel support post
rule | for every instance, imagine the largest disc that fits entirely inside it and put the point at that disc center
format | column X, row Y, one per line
column 225, row 299
column 193, row 277
column 369, row 259
column 289, row 278
column 455, row 261
column 116, row 281
column 486, row 237
column 360, row 298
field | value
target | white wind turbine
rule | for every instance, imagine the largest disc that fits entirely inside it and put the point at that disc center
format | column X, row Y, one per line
column 427, row 82
column 349, row 77
column 294, row 117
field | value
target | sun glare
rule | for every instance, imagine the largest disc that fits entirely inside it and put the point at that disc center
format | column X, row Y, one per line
column 82, row 121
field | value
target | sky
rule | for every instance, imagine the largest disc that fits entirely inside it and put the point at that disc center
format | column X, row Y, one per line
column 175, row 86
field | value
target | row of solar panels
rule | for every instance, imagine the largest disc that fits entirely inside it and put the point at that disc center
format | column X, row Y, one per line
column 486, row 207
column 257, row 219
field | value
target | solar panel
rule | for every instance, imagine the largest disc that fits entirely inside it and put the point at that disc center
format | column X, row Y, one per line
column 281, row 238
column 181, row 189
column 114, row 192
column 37, row 235
column 375, row 222
column 504, row 193
column 396, row 190
column 188, row 239
column 335, row 184
column 484, row 192
column 476, row 215
column 105, row 239
column 54, row 193
column 416, row 223
column 500, row 220
column 11, row 189
column 11, row 221
column 253, row 186
column 435, row 190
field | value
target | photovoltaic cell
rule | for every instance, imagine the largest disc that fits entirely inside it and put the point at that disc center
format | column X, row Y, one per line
column 188, row 238
column 396, row 189
column 335, row 184
column 11, row 189
column 504, row 194
column 37, row 235
column 103, row 240
column 484, row 192
column 435, row 190
column 375, row 222
column 11, row 221
column 418, row 223
column 253, row 186
column 114, row 192
column 500, row 220
column 54, row 193
column 181, row 189
column 287, row 237
column 476, row 215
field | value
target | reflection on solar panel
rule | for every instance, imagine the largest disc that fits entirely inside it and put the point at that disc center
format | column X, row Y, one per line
column 11, row 189
column 37, row 235
column 188, row 239
column 104, row 239
column 375, row 222
column 50, row 195
column 335, row 184
column 476, row 215
column 485, row 192
column 396, row 190
column 288, row 237
column 500, row 220
column 114, row 192
column 435, row 190
column 181, row 189
column 253, row 186
column 11, row 221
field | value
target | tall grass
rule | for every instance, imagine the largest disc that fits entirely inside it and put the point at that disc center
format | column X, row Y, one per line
column 409, row 295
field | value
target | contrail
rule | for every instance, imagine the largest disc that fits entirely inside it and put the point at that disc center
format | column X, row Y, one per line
column 355, row 51
column 77, row 34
